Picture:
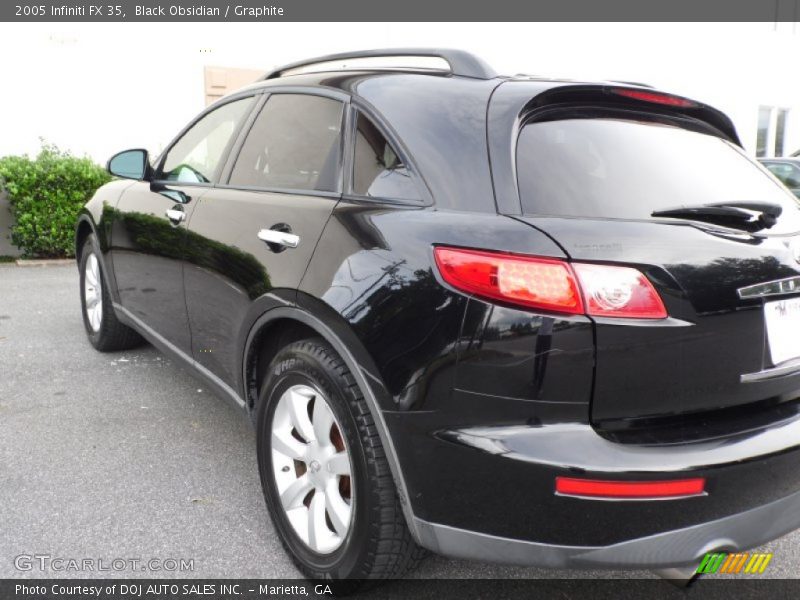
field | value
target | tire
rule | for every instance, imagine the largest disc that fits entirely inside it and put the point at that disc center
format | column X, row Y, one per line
column 377, row 544
column 103, row 329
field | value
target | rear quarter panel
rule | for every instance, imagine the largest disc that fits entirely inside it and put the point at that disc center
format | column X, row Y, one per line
column 374, row 268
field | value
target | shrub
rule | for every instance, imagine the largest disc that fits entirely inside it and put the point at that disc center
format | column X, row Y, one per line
column 46, row 195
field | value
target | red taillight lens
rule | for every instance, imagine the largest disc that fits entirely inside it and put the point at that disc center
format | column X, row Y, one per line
column 676, row 488
column 550, row 284
column 655, row 97
column 613, row 291
column 535, row 282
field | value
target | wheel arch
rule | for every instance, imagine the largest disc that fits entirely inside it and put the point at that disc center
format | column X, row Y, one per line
column 285, row 324
column 83, row 229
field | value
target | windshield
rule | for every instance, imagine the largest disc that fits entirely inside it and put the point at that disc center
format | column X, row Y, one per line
column 624, row 169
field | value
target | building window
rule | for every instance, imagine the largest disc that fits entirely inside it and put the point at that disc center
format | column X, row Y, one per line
column 780, row 131
column 771, row 131
column 762, row 141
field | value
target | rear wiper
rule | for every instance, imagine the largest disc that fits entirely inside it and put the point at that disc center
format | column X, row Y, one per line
column 749, row 216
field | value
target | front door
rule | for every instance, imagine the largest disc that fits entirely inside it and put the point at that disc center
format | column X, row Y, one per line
column 149, row 223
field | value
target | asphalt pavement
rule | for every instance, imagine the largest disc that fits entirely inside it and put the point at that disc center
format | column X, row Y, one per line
column 127, row 456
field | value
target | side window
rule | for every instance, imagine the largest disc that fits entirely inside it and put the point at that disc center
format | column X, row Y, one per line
column 293, row 144
column 378, row 171
column 788, row 174
column 195, row 157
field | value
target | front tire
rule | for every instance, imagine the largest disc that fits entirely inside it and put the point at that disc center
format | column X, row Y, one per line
column 103, row 329
column 324, row 472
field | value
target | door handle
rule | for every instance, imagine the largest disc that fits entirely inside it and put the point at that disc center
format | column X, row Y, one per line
column 176, row 216
column 281, row 238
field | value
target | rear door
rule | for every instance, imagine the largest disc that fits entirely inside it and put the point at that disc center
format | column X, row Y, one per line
column 592, row 181
column 251, row 237
column 149, row 222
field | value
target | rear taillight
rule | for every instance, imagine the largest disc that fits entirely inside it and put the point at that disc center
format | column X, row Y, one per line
column 593, row 488
column 550, row 284
column 528, row 281
column 611, row 291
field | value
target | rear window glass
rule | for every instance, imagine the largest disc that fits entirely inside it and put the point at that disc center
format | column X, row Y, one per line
column 626, row 169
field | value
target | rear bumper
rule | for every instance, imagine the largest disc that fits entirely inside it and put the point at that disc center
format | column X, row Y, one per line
column 680, row 547
column 488, row 493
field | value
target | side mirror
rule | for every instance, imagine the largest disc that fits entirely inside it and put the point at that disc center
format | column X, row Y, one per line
column 130, row 164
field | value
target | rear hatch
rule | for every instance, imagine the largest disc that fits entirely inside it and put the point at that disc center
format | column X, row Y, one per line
column 717, row 236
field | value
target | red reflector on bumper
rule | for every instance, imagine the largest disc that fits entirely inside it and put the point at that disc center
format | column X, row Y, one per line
column 677, row 488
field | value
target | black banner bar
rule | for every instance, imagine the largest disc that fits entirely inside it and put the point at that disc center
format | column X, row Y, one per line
column 407, row 10
column 743, row 587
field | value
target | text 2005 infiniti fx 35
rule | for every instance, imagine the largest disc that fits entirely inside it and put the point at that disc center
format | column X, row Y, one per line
column 533, row 321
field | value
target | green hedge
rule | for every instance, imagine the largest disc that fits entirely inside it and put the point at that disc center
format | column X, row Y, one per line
column 46, row 194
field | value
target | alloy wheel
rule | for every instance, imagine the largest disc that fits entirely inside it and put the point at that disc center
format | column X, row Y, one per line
column 312, row 468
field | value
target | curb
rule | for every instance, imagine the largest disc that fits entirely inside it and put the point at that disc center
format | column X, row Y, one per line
column 43, row 262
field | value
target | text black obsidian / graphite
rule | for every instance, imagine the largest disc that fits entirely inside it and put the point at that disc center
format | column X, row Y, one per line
column 179, row 10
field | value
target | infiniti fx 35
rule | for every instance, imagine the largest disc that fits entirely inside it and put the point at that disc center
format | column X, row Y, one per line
column 535, row 321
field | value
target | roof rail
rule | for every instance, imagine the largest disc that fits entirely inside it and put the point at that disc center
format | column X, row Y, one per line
column 461, row 63
column 645, row 85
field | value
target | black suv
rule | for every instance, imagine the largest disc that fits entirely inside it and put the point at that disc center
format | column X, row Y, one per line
column 517, row 319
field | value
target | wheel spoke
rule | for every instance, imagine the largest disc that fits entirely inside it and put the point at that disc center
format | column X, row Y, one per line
column 91, row 277
column 292, row 497
column 93, row 292
column 287, row 445
column 298, row 412
column 317, row 527
column 338, row 509
column 95, row 265
column 323, row 421
column 339, row 464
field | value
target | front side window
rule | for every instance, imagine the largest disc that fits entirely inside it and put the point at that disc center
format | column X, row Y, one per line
column 625, row 169
column 196, row 157
column 378, row 171
column 294, row 144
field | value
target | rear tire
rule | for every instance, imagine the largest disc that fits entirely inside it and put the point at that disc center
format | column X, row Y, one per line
column 377, row 544
column 103, row 329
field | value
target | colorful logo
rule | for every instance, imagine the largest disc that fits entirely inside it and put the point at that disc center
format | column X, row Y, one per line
column 753, row 563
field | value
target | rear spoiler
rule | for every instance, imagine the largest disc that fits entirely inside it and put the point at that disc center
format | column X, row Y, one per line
column 634, row 98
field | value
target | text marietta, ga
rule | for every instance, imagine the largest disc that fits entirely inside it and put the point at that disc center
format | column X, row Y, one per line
column 200, row 10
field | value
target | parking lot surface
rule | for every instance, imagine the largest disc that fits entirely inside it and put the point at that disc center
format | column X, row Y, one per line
column 125, row 455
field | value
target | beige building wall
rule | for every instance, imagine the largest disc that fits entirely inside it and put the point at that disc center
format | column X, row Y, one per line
column 224, row 80
column 6, row 221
